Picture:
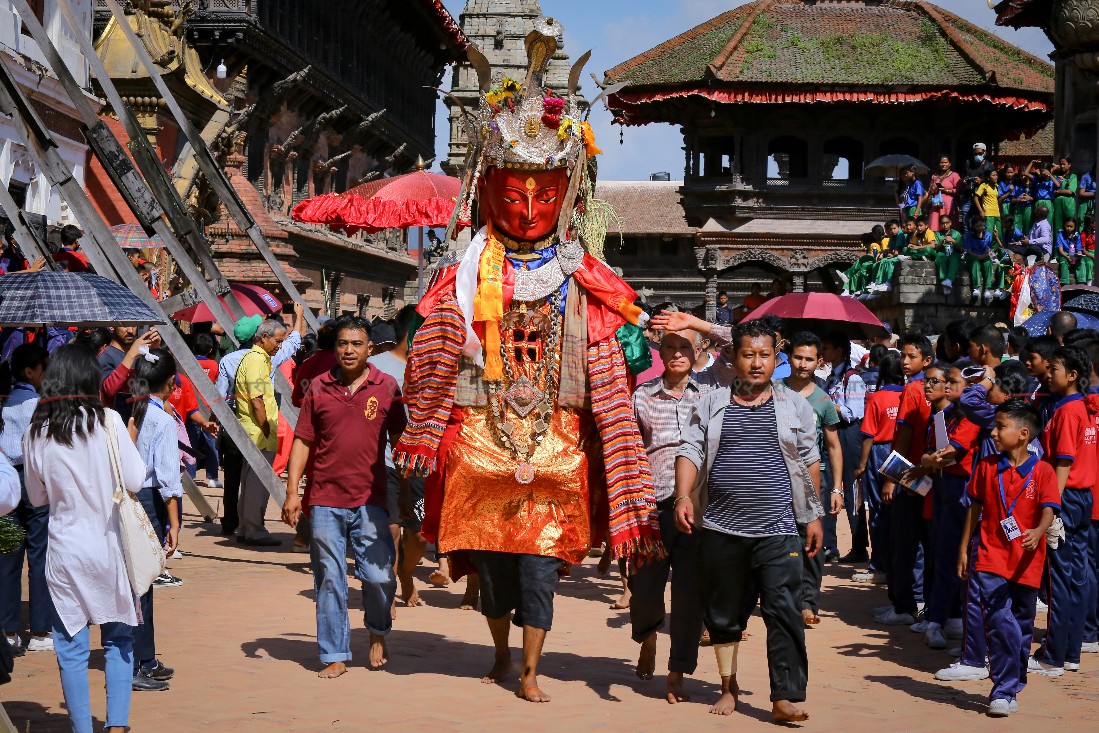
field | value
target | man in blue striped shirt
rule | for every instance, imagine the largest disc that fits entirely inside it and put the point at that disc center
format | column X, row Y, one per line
column 753, row 447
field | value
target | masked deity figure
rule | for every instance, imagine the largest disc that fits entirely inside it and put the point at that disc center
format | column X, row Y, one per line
column 518, row 379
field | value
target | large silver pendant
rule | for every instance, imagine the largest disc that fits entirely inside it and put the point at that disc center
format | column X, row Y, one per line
column 523, row 396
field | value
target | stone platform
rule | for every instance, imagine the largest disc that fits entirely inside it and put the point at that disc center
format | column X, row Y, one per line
column 917, row 303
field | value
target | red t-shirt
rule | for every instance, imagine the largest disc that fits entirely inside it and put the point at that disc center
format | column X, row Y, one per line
column 880, row 419
column 183, row 397
column 996, row 554
column 349, row 433
column 915, row 411
column 210, row 367
column 1070, row 434
column 317, row 364
column 964, row 436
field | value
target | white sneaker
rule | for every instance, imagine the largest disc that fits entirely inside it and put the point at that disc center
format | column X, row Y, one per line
column 903, row 258
column 1000, row 294
column 886, row 287
column 935, row 638
column 1072, row 666
column 999, row 708
column 177, row 555
column 958, row 672
column 869, row 576
column 1090, row 647
column 988, row 297
column 14, row 641
column 45, row 644
column 947, row 284
column 896, row 619
column 843, row 277
column 977, row 293
column 1041, row 607
column 920, row 627
column 880, row 610
column 954, row 628
column 1037, row 666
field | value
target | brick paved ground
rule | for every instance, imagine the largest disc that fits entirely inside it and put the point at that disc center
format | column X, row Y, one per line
column 241, row 635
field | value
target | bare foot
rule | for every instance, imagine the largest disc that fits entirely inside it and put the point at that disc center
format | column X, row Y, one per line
column 675, row 689
column 623, row 600
column 784, row 711
column 412, row 599
column 438, row 579
column 332, row 671
column 810, row 617
column 726, row 704
column 529, row 691
column 393, row 610
column 646, row 660
column 470, row 598
column 378, row 651
column 705, row 640
column 501, row 668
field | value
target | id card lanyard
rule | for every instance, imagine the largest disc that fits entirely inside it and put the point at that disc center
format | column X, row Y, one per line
column 1009, row 525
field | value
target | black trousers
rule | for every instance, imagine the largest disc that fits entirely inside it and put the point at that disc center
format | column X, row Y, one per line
column 232, row 463
column 524, row 584
column 733, row 570
column 647, row 584
column 145, row 632
column 812, row 573
column 850, row 435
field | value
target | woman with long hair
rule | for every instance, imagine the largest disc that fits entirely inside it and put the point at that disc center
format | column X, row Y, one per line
column 67, row 466
column 20, row 379
column 157, row 438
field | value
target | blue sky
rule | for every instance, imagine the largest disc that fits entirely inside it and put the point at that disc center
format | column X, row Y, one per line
column 617, row 30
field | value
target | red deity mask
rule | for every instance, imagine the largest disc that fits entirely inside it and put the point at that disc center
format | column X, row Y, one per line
column 524, row 205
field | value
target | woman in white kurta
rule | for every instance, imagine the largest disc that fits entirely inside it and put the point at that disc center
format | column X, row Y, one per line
column 66, row 465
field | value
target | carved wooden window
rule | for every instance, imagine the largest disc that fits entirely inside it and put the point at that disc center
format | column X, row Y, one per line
column 787, row 157
column 843, row 159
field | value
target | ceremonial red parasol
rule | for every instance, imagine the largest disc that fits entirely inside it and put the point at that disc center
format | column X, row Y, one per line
column 821, row 311
column 252, row 298
column 411, row 200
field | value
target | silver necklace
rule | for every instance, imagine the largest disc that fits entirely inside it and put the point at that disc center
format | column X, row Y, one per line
column 533, row 285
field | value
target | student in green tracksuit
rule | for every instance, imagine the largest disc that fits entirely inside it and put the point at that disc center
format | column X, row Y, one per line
column 1064, row 196
column 949, row 259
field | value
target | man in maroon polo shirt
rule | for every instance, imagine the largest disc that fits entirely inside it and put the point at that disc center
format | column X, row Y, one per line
column 346, row 418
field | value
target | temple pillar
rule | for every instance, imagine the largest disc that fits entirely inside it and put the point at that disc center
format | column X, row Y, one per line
column 711, row 295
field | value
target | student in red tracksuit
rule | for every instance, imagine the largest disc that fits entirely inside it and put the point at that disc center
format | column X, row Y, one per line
column 1069, row 443
column 1014, row 499
column 906, row 512
column 878, row 426
column 950, row 467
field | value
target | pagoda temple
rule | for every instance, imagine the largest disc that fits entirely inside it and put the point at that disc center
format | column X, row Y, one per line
column 782, row 103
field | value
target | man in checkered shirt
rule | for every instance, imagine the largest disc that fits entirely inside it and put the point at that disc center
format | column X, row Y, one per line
column 663, row 407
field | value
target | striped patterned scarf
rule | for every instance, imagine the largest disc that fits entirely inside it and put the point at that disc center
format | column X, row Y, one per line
column 433, row 369
column 634, row 526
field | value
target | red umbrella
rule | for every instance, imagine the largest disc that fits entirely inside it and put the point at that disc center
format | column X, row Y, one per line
column 820, row 311
column 253, row 299
column 412, row 200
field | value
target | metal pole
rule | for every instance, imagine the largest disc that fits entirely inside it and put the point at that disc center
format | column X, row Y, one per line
column 420, row 267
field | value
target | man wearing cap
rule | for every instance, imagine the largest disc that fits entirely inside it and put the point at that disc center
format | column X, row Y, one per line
column 975, row 166
column 232, row 461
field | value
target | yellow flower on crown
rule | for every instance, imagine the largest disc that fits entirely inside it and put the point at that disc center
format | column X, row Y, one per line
column 568, row 127
column 507, row 89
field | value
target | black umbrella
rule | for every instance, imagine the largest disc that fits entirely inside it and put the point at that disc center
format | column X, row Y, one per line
column 70, row 298
column 1086, row 303
column 889, row 166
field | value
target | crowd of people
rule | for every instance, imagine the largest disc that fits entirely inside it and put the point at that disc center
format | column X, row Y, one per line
column 968, row 487
column 965, row 468
column 992, row 222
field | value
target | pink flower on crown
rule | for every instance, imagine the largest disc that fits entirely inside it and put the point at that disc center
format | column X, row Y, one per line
column 553, row 105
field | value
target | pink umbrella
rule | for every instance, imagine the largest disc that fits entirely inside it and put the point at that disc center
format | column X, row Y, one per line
column 821, row 311
column 253, row 299
column 412, row 200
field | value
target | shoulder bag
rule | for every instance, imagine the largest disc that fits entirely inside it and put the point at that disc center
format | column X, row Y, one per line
column 141, row 549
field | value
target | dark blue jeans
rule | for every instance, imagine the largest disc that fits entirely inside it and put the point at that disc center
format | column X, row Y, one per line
column 1091, row 625
column 1068, row 582
column 850, row 436
column 35, row 522
column 145, row 632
